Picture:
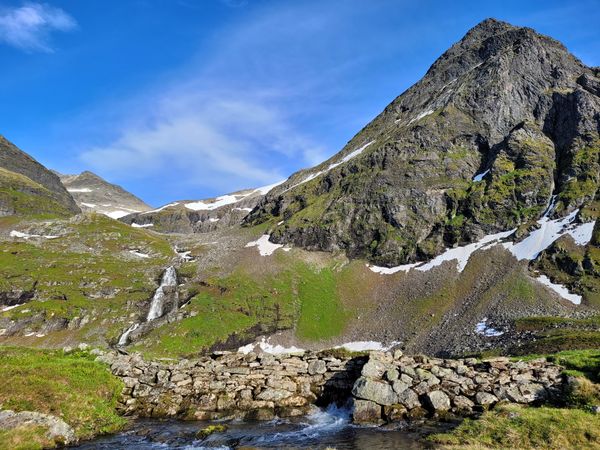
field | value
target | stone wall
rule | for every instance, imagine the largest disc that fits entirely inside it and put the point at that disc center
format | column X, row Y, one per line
column 384, row 387
column 395, row 387
column 233, row 384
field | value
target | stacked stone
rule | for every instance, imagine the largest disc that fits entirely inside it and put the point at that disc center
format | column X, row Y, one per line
column 251, row 386
column 384, row 387
column 395, row 387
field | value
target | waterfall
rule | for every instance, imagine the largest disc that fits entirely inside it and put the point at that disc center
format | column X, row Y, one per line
column 125, row 336
column 168, row 283
column 169, row 280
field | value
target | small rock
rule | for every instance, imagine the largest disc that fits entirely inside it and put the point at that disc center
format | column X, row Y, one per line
column 409, row 398
column 485, row 399
column 317, row 366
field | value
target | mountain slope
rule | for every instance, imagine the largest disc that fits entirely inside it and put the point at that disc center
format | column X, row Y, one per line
column 27, row 187
column 93, row 193
column 200, row 216
column 500, row 122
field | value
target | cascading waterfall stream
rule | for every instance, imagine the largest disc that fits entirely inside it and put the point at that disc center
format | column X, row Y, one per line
column 167, row 282
column 125, row 335
column 169, row 279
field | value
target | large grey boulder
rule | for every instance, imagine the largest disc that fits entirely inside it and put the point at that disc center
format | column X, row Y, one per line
column 376, row 391
column 438, row 401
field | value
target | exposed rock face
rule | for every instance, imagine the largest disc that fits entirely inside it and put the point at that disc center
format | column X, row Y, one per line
column 93, row 193
column 58, row 431
column 260, row 386
column 504, row 103
column 49, row 186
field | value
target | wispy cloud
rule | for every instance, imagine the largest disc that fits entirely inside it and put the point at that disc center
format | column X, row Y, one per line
column 208, row 139
column 28, row 27
column 266, row 96
column 233, row 118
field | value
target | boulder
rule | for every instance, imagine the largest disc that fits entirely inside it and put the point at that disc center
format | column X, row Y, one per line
column 57, row 429
column 485, row 399
column 376, row 391
column 317, row 366
column 463, row 404
column 409, row 398
column 274, row 395
column 374, row 369
column 366, row 411
column 437, row 401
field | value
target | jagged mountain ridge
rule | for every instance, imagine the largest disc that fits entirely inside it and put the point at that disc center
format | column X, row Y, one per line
column 506, row 103
column 93, row 193
column 28, row 187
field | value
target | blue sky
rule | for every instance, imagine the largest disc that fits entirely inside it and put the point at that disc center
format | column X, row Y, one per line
column 187, row 99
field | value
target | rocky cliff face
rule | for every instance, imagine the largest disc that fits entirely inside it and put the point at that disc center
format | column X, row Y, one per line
column 27, row 185
column 501, row 121
column 93, row 193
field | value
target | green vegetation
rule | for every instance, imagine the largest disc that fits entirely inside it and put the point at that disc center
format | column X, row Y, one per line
column 87, row 271
column 243, row 304
column 24, row 197
column 73, row 387
column 556, row 334
column 321, row 314
column 584, row 185
column 582, row 363
column 513, row 426
column 211, row 429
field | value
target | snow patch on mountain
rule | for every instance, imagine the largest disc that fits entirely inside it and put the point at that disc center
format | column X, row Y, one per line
column 20, row 234
column 560, row 290
column 479, row 176
column 265, row 247
column 483, row 329
column 345, row 159
column 146, row 225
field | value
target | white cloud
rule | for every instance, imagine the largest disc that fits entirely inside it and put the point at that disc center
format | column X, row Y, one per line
column 28, row 27
column 245, row 110
column 211, row 139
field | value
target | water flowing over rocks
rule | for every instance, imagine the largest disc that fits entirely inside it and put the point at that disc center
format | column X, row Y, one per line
column 384, row 387
column 165, row 296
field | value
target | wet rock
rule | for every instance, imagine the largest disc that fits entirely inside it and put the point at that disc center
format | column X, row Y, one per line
column 366, row 411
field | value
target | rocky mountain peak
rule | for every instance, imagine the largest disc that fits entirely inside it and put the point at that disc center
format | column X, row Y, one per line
column 93, row 193
column 500, row 122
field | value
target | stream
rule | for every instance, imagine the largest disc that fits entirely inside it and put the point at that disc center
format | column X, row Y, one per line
column 327, row 428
